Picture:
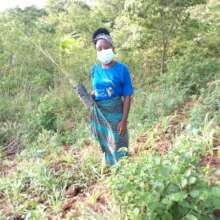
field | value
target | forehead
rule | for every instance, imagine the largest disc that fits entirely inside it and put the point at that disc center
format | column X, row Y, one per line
column 102, row 43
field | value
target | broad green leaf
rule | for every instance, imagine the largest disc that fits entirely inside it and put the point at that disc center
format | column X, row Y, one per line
column 190, row 217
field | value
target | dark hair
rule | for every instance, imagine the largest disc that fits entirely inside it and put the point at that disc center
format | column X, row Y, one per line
column 98, row 32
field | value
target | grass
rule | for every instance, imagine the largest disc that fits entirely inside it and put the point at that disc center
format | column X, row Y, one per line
column 42, row 175
column 45, row 169
column 62, row 155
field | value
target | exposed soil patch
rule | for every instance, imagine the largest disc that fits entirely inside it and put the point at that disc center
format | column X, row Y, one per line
column 59, row 166
column 163, row 137
column 11, row 148
column 211, row 160
column 7, row 168
column 73, row 191
column 94, row 197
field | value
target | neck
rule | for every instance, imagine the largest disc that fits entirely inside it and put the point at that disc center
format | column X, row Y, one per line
column 109, row 64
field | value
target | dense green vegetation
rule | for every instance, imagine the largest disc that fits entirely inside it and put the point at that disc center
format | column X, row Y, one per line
column 53, row 169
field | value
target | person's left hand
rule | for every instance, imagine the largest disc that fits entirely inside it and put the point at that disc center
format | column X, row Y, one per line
column 122, row 127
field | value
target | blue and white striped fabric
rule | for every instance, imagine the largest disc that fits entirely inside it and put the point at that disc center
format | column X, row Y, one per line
column 105, row 116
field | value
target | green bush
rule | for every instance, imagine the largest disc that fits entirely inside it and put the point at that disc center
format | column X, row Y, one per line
column 29, row 185
column 43, row 173
column 47, row 112
column 191, row 72
column 43, row 81
column 46, row 142
column 211, row 99
column 149, row 106
column 208, row 105
column 167, row 187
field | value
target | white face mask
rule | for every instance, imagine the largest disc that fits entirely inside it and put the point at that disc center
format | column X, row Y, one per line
column 105, row 56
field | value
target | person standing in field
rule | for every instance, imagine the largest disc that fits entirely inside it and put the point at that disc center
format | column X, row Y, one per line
column 112, row 92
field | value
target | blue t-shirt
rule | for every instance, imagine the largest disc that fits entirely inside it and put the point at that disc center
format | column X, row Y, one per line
column 111, row 82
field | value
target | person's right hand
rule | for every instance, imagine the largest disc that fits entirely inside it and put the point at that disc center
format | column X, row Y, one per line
column 92, row 93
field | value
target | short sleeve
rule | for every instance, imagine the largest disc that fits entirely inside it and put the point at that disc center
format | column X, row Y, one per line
column 92, row 69
column 127, row 83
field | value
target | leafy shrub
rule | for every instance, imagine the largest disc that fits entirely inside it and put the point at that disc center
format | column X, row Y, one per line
column 44, row 171
column 46, row 142
column 212, row 98
column 43, row 81
column 169, row 187
column 47, row 112
column 61, row 114
column 11, row 115
column 26, row 187
column 191, row 72
column 209, row 105
column 10, row 84
column 150, row 106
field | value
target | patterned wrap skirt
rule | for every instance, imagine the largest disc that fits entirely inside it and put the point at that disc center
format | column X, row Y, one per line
column 104, row 119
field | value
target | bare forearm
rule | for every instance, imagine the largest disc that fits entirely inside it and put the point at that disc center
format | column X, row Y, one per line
column 126, row 107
